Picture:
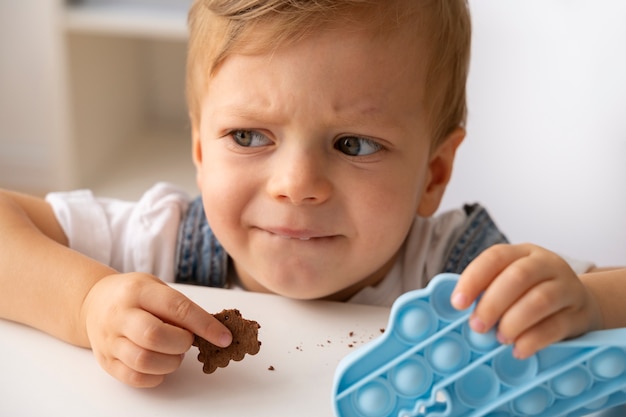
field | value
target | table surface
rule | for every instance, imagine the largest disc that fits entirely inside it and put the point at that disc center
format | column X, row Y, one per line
column 302, row 341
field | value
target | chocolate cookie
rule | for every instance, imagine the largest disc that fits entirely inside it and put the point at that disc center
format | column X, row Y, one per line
column 245, row 340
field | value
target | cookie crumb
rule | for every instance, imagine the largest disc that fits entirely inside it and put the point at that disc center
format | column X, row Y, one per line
column 271, row 368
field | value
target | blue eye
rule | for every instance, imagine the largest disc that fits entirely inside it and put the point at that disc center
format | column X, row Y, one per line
column 357, row 146
column 249, row 138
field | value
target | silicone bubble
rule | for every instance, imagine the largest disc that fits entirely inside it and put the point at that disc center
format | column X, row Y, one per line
column 572, row 382
column 448, row 354
column 412, row 377
column 609, row 364
column 480, row 342
column 430, row 363
column 441, row 303
column 512, row 371
column 416, row 322
column 478, row 387
column 534, row 402
column 375, row 399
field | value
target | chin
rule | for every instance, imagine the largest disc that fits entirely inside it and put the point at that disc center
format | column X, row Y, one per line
column 299, row 291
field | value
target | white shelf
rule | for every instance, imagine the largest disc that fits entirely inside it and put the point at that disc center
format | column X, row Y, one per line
column 154, row 19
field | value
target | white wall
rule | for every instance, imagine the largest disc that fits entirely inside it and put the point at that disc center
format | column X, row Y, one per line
column 546, row 144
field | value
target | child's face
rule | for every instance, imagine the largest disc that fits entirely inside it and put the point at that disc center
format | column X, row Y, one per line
column 314, row 159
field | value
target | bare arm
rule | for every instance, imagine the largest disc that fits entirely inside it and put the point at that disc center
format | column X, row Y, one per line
column 43, row 281
column 137, row 327
column 609, row 288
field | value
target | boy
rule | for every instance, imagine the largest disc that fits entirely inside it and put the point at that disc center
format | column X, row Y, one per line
column 324, row 135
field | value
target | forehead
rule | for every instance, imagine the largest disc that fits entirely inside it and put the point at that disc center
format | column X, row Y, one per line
column 363, row 75
column 288, row 21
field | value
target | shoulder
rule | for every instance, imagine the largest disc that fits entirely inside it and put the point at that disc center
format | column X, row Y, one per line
column 158, row 197
column 448, row 241
column 118, row 232
column 474, row 234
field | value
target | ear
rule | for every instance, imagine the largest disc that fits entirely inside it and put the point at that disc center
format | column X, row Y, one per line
column 439, row 173
column 196, row 150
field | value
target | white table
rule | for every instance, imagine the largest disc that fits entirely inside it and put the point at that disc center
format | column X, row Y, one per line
column 303, row 341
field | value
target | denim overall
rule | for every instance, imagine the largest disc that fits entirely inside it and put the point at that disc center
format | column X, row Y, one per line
column 201, row 259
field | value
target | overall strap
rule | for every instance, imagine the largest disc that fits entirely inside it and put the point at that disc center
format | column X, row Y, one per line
column 477, row 234
column 200, row 258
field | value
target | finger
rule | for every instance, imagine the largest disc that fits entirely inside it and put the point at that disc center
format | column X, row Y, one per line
column 144, row 361
column 173, row 307
column 479, row 274
column 129, row 376
column 149, row 332
column 509, row 287
column 536, row 305
column 553, row 329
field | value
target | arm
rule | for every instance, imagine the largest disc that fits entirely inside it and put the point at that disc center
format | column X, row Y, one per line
column 35, row 263
column 137, row 326
column 535, row 298
column 608, row 287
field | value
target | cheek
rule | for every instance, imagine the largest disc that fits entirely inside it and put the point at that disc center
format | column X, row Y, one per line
column 229, row 191
column 388, row 219
column 386, row 208
column 395, row 193
column 221, row 194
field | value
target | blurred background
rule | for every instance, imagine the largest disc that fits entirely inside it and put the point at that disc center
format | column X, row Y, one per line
column 92, row 96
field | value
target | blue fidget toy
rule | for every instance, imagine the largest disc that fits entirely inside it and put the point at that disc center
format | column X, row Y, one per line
column 429, row 363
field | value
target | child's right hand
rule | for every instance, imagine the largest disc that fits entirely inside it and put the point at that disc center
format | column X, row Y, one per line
column 139, row 328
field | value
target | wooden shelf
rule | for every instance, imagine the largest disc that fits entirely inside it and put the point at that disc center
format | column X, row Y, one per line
column 151, row 19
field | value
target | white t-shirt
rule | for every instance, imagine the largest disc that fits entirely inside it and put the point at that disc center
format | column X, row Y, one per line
column 142, row 237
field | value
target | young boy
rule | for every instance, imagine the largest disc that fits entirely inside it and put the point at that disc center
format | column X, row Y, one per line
column 324, row 135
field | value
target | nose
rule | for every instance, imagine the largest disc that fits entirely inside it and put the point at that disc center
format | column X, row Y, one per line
column 299, row 177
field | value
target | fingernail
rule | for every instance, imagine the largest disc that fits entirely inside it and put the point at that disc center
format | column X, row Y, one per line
column 225, row 339
column 502, row 339
column 477, row 325
column 459, row 300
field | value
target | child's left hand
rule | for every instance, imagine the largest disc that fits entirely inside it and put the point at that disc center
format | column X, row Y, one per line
column 531, row 295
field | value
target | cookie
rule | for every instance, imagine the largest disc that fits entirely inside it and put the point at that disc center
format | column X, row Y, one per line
column 245, row 340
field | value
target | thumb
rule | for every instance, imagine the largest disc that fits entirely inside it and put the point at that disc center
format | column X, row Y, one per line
column 175, row 308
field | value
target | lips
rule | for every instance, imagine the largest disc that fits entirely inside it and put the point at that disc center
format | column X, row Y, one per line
column 299, row 238
column 296, row 234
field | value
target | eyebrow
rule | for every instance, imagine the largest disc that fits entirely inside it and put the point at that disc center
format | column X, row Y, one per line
column 244, row 112
column 255, row 111
column 346, row 115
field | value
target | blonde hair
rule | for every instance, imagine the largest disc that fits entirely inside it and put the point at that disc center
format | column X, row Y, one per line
column 219, row 28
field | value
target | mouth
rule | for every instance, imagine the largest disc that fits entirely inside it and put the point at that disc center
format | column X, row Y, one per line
column 299, row 238
column 302, row 235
